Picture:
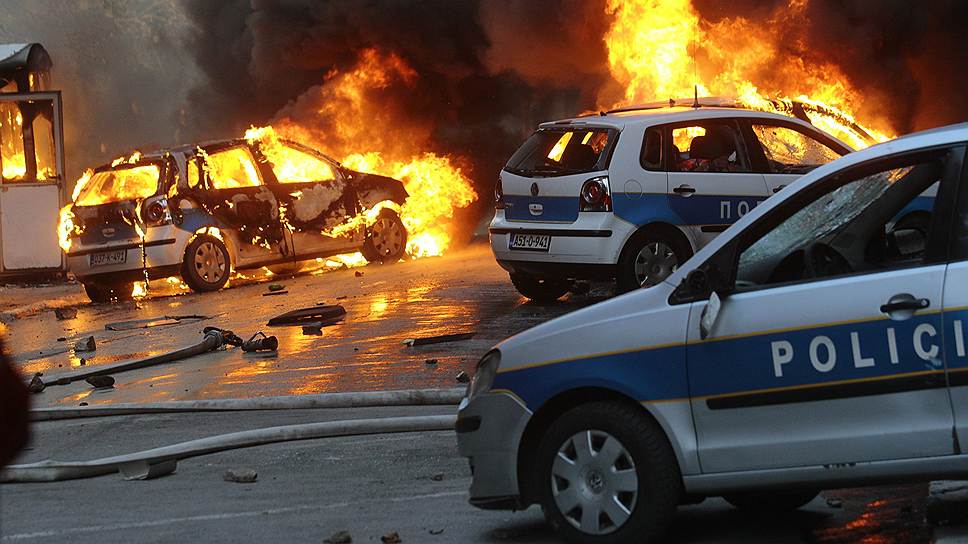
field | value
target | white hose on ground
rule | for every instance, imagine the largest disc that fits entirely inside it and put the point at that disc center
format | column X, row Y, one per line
column 405, row 397
column 160, row 461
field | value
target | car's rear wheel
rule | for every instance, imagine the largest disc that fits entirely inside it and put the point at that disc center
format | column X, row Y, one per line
column 207, row 264
column 106, row 292
column 386, row 239
column 650, row 257
column 540, row 289
column 772, row 502
column 607, row 474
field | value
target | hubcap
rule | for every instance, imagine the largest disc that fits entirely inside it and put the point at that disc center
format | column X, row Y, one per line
column 593, row 482
column 209, row 262
column 654, row 263
column 387, row 236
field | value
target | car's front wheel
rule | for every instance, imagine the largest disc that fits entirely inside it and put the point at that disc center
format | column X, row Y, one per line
column 207, row 264
column 540, row 289
column 386, row 239
column 649, row 257
column 607, row 474
column 106, row 292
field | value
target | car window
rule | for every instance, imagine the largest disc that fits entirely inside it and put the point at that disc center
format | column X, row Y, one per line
column 559, row 152
column 192, row 174
column 790, row 151
column 854, row 227
column 291, row 165
column 232, row 168
column 127, row 182
column 707, row 148
column 651, row 157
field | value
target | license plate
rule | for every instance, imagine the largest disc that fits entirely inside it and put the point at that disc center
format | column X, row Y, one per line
column 109, row 257
column 531, row 242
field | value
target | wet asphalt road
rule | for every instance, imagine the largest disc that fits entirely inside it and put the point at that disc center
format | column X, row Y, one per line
column 412, row 483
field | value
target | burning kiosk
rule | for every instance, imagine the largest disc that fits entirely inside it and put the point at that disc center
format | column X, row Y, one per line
column 32, row 188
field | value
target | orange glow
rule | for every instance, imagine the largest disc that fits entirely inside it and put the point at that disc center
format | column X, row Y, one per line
column 662, row 49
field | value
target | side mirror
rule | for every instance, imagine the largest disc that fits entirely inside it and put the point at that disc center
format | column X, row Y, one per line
column 710, row 314
column 697, row 282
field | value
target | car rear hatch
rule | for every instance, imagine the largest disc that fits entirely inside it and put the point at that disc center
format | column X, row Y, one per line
column 543, row 180
column 106, row 206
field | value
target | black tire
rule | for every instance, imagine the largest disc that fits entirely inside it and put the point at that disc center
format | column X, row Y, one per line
column 106, row 292
column 627, row 276
column 386, row 239
column 540, row 289
column 645, row 451
column 206, row 265
column 772, row 502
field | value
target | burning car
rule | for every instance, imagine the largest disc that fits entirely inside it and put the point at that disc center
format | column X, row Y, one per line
column 201, row 211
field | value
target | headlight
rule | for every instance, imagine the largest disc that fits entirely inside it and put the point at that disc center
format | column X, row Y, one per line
column 484, row 375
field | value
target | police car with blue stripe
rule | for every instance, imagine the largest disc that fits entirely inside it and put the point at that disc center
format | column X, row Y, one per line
column 819, row 342
column 632, row 194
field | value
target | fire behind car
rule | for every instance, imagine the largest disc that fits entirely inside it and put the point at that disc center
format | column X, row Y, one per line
column 200, row 211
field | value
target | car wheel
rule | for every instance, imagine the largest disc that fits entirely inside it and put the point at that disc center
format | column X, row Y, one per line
column 649, row 258
column 772, row 502
column 540, row 289
column 207, row 264
column 386, row 239
column 105, row 292
column 606, row 473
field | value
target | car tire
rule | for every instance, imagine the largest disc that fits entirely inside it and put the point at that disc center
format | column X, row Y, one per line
column 386, row 239
column 635, row 495
column 649, row 257
column 775, row 502
column 106, row 292
column 542, row 290
column 207, row 264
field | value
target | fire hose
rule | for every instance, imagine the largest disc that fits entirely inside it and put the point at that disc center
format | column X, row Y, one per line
column 161, row 461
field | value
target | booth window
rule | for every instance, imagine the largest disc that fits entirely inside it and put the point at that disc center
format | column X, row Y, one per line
column 44, row 147
column 14, row 162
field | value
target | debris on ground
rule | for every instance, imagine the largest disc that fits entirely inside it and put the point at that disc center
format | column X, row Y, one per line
column 100, row 382
column 314, row 328
column 439, row 339
column 835, row 502
column 462, row 377
column 358, row 274
column 87, row 344
column 276, row 287
column 260, row 342
column 82, row 362
column 581, row 288
column 65, row 313
column 241, row 476
column 326, row 315
column 430, row 361
column 946, row 503
column 391, row 538
column 62, row 339
column 339, row 537
column 341, row 297
column 154, row 322
column 436, row 531
column 273, row 293
column 36, row 384
column 439, row 477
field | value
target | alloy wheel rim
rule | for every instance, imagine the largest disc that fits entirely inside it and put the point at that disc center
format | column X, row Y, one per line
column 209, row 262
column 594, row 483
column 654, row 263
column 387, row 236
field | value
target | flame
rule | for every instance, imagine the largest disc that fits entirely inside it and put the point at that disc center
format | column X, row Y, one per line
column 139, row 290
column 660, row 49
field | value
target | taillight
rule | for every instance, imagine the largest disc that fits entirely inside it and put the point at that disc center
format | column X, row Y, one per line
column 499, row 195
column 155, row 212
column 595, row 196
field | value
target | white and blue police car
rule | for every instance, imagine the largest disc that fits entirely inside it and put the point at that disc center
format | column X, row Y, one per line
column 631, row 194
column 817, row 343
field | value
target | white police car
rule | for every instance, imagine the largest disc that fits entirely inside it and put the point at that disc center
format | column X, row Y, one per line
column 817, row 343
column 632, row 194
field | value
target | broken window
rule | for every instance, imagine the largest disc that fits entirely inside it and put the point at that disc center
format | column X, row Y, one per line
column 127, row 182
column 789, row 151
column 14, row 161
column 232, row 168
column 291, row 165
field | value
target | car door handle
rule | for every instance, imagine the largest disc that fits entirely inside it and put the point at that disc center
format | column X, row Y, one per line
column 778, row 188
column 684, row 190
column 903, row 306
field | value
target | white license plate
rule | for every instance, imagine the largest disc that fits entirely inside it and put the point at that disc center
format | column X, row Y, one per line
column 531, row 242
column 109, row 257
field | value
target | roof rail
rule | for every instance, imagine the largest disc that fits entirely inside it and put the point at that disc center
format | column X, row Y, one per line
column 695, row 102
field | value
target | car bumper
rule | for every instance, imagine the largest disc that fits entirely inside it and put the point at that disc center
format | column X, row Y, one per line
column 593, row 239
column 489, row 431
column 164, row 249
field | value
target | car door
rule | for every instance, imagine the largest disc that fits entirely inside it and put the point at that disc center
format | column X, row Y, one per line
column 956, row 308
column 828, row 347
column 711, row 183
column 784, row 151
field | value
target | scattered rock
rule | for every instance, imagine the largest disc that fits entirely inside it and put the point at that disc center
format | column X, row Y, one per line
column 36, row 384
column 359, row 274
column 100, row 382
column 86, row 344
column 65, row 313
column 462, row 377
column 835, row 502
column 436, row 531
column 241, row 476
column 391, row 538
column 339, row 537
column 341, row 297
column 62, row 339
column 82, row 404
column 276, row 287
column 431, row 361
column 437, row 477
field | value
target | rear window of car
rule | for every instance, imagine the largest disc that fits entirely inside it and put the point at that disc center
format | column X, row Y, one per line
column 127, row 182
column 563, row 151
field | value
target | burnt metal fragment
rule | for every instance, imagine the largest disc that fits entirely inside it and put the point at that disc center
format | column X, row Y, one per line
column 100, row 382
column 86, row 344
column 325, row 315
column 439, row 339
column 260, row 342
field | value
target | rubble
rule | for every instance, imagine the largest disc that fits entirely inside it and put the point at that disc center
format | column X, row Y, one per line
column 358, row 274
column 315, row 328
column 325, row 315
column 260, row 342
column 391, row 538
column 241, row 476
column 36, row 384
column 100, row 382
column 439, row 339
column 63, row 314
column 339, row 537
column 86, row 344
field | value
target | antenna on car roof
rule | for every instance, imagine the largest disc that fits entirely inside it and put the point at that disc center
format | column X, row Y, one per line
column 695, row 102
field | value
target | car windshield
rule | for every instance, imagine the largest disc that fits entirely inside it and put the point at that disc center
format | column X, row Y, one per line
column 127, row 182
column 559, row 152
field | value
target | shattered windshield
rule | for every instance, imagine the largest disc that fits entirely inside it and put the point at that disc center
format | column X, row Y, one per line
column 559, row 152
column 127, row 182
